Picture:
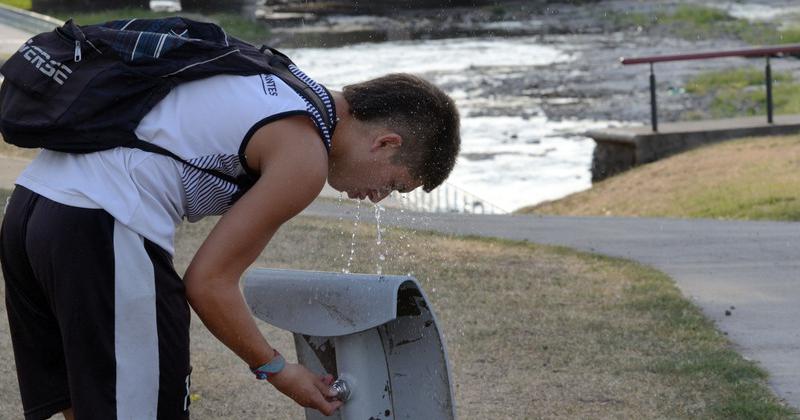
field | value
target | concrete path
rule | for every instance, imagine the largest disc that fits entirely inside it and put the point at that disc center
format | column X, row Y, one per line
column 751, row 266
column 10, row 40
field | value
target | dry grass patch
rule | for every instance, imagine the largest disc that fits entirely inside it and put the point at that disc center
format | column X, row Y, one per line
column 533, row 331
column 16, row 152
column 744, row 179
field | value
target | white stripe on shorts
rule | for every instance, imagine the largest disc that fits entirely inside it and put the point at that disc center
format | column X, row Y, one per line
column 135, row 329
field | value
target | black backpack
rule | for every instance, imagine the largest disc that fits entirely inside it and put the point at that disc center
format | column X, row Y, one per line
column 82, row 89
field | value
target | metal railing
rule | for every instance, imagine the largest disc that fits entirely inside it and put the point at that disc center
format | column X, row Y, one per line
column 447, row 198
column 767, row 52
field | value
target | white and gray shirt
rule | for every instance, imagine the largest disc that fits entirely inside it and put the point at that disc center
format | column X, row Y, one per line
column 207, row 122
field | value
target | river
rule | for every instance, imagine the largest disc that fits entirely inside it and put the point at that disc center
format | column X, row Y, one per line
column 527, row 101
column 512, row 154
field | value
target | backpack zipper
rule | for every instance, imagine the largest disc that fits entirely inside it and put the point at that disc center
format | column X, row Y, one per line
column 77, row 51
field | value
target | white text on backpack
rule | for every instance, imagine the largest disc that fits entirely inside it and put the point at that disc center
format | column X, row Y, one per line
column 41, row 60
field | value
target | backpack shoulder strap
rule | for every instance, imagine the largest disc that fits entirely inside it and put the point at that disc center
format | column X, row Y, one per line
column 279, row 64
column 153, row 148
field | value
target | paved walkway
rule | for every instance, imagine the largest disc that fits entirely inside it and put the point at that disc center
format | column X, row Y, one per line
column 10, row 40
column 752, row 266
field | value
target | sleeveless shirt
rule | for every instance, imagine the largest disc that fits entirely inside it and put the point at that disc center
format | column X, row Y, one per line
column 207, row 122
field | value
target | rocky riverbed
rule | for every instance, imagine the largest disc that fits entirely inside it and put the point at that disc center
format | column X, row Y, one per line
column 592, row 85
column 530, row 78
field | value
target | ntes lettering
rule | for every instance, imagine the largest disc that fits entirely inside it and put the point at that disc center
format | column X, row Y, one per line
column 268, row 83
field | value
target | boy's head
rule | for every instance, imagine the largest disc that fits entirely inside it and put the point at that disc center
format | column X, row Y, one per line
column 408, row 119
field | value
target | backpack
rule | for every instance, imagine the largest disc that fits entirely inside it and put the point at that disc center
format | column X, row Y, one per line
column 82, row 89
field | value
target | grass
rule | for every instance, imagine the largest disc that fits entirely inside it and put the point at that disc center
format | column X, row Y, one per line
column 749, row 179
column 734, row 79
column 236, row 25
column 532, row 331
column 21, row 4
column 693, row 21
column 742, row 92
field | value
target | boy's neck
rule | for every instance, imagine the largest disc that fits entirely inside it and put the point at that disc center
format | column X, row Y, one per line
column 343, row 120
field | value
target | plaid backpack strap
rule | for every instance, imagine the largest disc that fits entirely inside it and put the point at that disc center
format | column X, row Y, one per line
column 146, row 39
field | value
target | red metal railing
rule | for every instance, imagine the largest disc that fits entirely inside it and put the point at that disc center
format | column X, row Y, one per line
column 767, row 52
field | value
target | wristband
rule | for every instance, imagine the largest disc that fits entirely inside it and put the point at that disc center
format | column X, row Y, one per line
column 271, row 368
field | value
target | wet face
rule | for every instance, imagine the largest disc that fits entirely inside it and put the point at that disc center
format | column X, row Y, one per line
column 361, row 162
column 373, row 180
column 383, row 182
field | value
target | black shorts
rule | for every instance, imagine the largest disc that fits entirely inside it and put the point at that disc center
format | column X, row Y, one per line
column 99, row 319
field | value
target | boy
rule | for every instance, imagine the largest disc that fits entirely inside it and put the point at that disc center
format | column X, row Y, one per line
column 99, row 318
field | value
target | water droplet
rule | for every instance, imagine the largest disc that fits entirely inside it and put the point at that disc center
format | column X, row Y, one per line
column 353, row 239
column 379, row 241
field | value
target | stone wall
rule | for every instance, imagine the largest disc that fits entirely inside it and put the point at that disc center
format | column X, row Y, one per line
column 619, row 149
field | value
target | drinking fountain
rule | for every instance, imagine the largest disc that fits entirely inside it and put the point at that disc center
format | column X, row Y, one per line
column 375, row 333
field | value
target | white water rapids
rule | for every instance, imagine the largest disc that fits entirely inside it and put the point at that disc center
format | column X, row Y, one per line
column 512, row 154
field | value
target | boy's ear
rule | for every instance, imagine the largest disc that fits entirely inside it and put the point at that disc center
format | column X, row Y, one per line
column 390, row 140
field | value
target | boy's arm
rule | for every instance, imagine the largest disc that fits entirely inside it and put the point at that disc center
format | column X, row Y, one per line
column 293, row 166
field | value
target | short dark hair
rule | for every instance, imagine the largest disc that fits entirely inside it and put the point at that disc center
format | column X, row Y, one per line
column 421, row 113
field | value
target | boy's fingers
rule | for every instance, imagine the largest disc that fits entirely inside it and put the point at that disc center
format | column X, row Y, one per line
column 327, row 408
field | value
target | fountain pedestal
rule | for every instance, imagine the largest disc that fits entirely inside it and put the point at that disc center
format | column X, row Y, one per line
column 376, row 333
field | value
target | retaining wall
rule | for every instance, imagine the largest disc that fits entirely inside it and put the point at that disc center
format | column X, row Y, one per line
column 619, row 149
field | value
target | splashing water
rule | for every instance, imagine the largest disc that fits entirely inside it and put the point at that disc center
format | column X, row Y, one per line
column 340, row 223
column 353, row 239
column 405, row 240
column 379, row 241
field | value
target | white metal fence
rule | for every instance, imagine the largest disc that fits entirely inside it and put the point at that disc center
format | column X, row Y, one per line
column 447, row 198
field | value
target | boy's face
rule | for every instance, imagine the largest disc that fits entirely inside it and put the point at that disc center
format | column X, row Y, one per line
column 373, row 178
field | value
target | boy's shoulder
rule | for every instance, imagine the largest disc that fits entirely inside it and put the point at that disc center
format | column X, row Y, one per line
column 295, row 139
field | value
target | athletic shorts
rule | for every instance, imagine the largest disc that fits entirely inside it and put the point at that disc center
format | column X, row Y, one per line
column 98, row 316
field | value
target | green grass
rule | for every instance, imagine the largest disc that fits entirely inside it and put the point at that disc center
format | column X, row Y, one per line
column 21, row 4
column 750, row 199
column 732, row 79
column 744, row 396
column 692, row 21
column 747, row 179
column 741, row 92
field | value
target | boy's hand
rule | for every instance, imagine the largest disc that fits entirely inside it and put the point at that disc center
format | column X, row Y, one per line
column 306, row 388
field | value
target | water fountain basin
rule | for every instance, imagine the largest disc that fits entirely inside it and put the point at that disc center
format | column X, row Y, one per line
column 375, row 332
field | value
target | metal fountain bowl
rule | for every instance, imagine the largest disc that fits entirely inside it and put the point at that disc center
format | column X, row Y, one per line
column 376, row 333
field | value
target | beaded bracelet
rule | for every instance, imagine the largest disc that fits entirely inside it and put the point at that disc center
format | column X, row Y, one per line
column 271, row 368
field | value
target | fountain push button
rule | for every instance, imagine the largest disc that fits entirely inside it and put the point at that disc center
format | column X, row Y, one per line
column 342, row 390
